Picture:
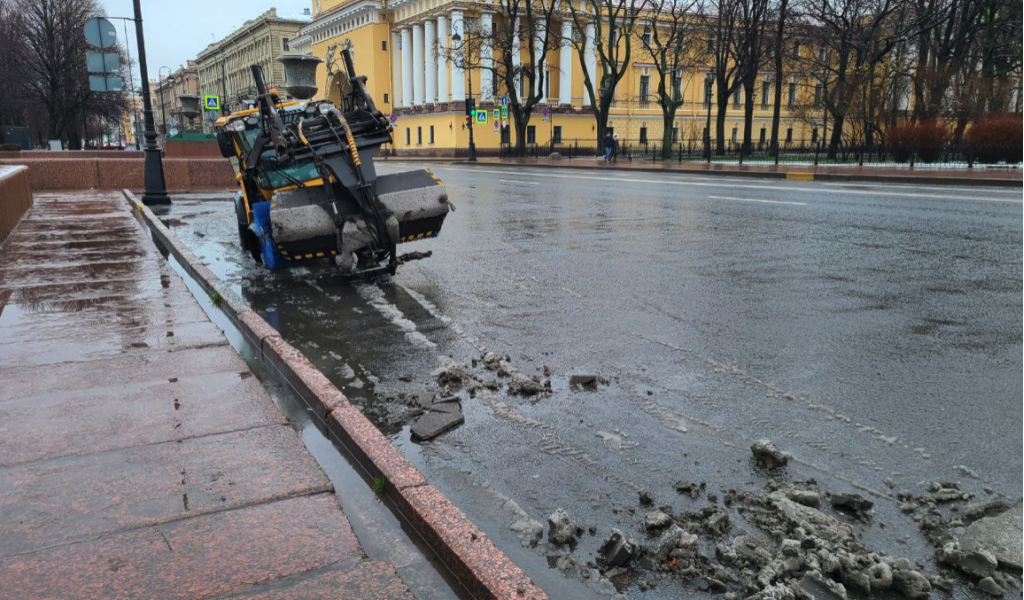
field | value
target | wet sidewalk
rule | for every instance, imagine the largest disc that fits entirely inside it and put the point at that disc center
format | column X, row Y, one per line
column 139, row 457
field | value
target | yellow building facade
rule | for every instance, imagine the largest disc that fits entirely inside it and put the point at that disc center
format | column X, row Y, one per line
column 401, row 45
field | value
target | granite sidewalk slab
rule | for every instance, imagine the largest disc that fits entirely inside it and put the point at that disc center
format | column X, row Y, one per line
column 139, row 458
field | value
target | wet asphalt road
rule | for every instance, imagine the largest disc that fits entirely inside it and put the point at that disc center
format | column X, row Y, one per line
column 873, row 331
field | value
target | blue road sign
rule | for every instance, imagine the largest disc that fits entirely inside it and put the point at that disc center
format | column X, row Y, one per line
column 504, row 100
column 393, row 118
column 211, row 102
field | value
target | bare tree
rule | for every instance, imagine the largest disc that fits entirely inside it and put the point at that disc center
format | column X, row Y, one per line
column 944, row 43
column 781, row 16
column 499, row 51
column 750, row 53
column 720, row 24
column 614, row 22
column 851, row 38
column 667, row 40
column 47, row 66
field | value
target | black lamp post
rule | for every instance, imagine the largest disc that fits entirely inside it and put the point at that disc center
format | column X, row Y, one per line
column 163, row 112
column 469, row 98
column 156, row 188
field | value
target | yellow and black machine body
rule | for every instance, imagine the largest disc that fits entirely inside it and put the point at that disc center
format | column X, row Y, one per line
column 309, row 190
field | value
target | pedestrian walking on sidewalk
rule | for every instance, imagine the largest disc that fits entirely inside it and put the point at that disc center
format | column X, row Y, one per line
column 608, row 144
column 615, row 147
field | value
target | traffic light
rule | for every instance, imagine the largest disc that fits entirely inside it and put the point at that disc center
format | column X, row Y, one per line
column 470, row 107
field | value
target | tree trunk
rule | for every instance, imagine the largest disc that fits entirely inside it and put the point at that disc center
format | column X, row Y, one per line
column 668, row 119
column 780, row 38
column 748, row 116
column 723, row 106
column 837, row 136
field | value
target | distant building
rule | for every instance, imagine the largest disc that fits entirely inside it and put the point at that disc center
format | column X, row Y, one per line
column 224, row 65
column 166, row 91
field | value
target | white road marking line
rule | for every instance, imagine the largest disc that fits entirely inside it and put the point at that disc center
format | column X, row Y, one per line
column 755, row 200
column 774, row 188
column 519, row 181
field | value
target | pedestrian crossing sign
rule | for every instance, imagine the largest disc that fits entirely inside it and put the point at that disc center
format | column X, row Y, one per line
column 211, row 102
column 481, row 117
column 496, row 115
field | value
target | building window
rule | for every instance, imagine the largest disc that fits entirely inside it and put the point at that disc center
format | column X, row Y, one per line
column 643, row 135
column 531, row 134
column 796, row 50
column 789, row 135
column 556, row 134
column 431, row 134
column 817, row 94
column 386, row 99
column 419, row 136
column 764, row 133
column 814, row 135
column 821, row 55
column 408, row 137
column 284, row 44
column 708, row 83
column 766, row 86
column 645, row 89
column 646, row 37
column 384, row 45
column 737, row 97
column 606, row 82
column 711, row 44
column 675, row 135
column 792, row 93
column 735, row 134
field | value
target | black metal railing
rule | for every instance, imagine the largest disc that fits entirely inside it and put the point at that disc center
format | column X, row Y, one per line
column 791, row 152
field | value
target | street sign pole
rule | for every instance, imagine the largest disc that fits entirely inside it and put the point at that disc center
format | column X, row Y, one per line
column 156, row 188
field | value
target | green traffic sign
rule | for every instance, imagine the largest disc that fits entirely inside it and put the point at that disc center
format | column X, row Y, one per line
column 211, row 102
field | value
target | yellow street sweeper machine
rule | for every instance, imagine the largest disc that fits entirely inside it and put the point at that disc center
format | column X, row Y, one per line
column 309, row 190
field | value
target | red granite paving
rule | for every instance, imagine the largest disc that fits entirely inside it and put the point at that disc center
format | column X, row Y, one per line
column 100, row 418
column 149, row 485
column 193, row 558
column 139, row 457
column 370, row 580
column 119, row 371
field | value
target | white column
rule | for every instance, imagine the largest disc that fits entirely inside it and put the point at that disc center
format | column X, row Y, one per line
column 406, row 67
column 590, row 56
column 442, row 63
column 517, row 58
column 396, row 70
column 418, row 91
column 458, row 73
column 486, row 59
column 538, row 57
column 565, row 64
column 430, row 50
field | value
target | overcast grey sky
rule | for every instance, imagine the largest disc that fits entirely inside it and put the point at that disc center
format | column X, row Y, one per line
column 177, row 30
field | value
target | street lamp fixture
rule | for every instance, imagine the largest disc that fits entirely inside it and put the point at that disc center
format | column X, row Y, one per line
column 469, row 99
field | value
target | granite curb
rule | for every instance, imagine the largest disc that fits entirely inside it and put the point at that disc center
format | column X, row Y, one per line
column 483, row 570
